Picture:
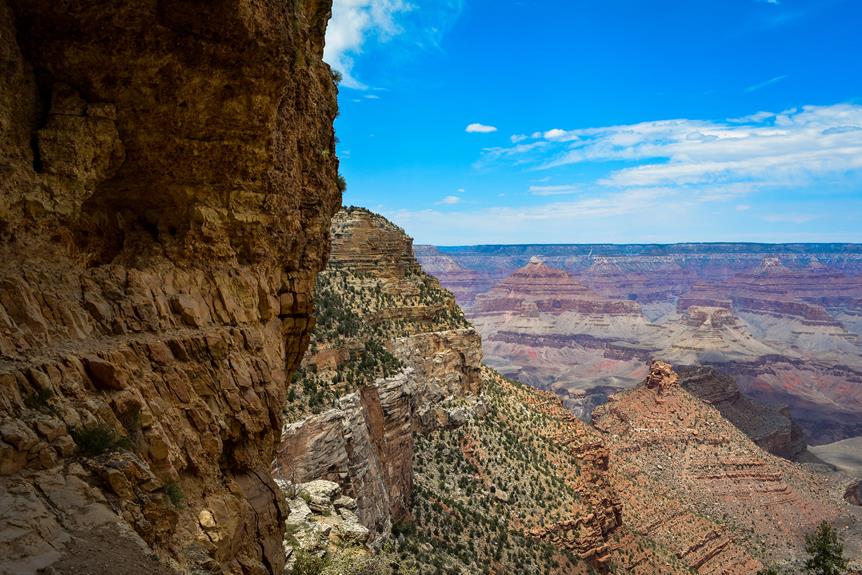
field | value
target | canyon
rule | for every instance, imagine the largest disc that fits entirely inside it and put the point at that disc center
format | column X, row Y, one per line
column 208, row 367
column 454, row 468
column 583, row 320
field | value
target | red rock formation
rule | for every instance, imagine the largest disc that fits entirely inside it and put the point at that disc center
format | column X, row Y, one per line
column 661, row 377
column 770, row 428
column 785, row 319
column 702, row 488
column 538, row 288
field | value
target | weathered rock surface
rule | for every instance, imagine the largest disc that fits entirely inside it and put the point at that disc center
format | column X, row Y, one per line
column 704, row 490
column 320, row 520
column 167, row 179
column 771, row 428
column 389, row 354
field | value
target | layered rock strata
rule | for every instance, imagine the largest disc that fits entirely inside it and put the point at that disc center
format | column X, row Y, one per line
column 542, row 326
column 168, row 178
column 771, row 428
column 392, row 355
column 702, row 489
column 783, row 319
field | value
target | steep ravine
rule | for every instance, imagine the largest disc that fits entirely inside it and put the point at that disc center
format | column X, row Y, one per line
column 167, row 181
column 394, row 425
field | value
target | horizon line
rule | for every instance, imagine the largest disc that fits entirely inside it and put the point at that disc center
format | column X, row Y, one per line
column 661, row 244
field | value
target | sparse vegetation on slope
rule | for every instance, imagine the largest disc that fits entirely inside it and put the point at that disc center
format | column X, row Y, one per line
column 360, row 310
column 517, row 491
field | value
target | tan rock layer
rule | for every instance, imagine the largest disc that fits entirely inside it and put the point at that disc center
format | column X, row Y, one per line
column 168, row 176
column 365, row 442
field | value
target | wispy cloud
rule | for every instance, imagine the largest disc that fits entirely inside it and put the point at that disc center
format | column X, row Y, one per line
column 762, row 85
column 450, row 200
column 476, row 128
column 790, row 218
column 551, row 221
column 561, row 190
column 352, row 23
column 713, row 160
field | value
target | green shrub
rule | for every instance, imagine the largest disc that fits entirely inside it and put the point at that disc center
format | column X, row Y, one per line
column 99, row 438
column 39, row 399
column 308, row 564
column 175, row 493
column 826, row 552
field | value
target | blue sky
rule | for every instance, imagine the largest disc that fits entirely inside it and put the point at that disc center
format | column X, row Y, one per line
column 518, row 121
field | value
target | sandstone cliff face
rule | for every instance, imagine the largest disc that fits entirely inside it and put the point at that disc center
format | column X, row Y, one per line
column 168, row 177
column 390, row 348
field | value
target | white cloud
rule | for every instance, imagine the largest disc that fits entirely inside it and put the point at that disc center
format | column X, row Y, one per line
column 352, row 23
column 450, row 200
column 477, row 128
column 655, row 208
column 712, row 160
column 515, row 138
column 555, row 134
column 561, row 190
column 357, row 24
column 762, row 85
column 743, row 207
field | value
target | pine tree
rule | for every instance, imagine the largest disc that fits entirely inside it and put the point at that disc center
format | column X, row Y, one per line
column 826, row 551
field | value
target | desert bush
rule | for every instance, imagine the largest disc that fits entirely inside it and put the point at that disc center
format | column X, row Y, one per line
column 99, row 438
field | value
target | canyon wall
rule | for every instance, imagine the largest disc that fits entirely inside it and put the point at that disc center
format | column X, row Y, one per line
column 770, row 428
column 390, row 356
column 395, row 432
column 705, row 491
column 580, row 320
column 167, row 179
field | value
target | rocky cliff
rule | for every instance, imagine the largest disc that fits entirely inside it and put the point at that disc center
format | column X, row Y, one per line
column 704, row 490
column 391, row 355
column 168, row 178
column 770, row 428
column 396, row 433
column 391, row 408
